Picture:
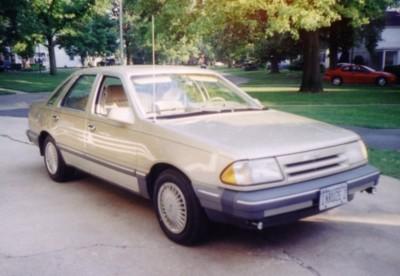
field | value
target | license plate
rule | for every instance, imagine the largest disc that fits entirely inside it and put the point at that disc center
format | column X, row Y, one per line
column 333, row 196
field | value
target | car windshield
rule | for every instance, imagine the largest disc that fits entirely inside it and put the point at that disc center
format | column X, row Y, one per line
column 175, row 95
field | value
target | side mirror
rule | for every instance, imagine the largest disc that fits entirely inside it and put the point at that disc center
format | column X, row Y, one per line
column 121, row 114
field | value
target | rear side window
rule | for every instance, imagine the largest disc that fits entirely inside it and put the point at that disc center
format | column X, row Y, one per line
column 111, row 96
column 56, row 94
column 78, row 95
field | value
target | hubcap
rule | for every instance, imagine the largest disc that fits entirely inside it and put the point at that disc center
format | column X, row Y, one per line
column 382, row 82
column 172, row 207
column 336, row 81
column 51, row 157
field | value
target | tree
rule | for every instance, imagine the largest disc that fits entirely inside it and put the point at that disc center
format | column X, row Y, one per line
column 276, row 49
column 177, row 38
column 49, row 18
column 9, row 10
column 300, row 18
column 94, row 35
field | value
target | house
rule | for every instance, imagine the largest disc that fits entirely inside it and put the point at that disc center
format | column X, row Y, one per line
column 10, row 60
column 63, row 60
column 387, row 51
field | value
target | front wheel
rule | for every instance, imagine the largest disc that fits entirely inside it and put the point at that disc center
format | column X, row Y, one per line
column 55, row 165
column 178, row 210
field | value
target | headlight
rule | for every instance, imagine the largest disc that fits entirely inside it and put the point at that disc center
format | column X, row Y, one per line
column 250, row 172
column 357, row 152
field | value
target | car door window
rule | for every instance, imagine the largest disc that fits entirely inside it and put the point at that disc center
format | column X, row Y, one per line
column 53, row 98
column 111, row 97
column 78, row 95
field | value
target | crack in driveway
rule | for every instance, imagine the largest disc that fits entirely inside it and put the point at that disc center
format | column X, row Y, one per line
column 15, row 139
column 300, row 262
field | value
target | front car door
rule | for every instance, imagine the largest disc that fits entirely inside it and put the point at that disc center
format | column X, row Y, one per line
column 111, row 145
column 70, row 119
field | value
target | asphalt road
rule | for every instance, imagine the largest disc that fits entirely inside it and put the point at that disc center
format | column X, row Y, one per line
column 90, row 227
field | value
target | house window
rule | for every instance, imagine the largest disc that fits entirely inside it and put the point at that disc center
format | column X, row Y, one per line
column 391, row 58
column 71, row 57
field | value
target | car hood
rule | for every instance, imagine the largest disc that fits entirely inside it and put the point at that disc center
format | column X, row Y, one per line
column 256, row 134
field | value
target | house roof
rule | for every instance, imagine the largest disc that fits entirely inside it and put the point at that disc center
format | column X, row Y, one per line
column 392, row 18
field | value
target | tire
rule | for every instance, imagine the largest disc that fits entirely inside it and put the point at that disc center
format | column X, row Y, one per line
column 54, row 163
column 337, row 81
column 178, row 210
column 381, row 81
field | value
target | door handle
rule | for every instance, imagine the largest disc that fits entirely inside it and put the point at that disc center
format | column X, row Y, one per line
column 55, row 117
column 91, row 127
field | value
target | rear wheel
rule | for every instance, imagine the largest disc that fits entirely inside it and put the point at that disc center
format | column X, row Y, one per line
column 337, row 81
column 55, row 165
column 381, row 81
column 178, row 210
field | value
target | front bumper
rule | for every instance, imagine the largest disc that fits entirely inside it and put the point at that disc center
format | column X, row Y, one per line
column 32, row 137
column 280, row 204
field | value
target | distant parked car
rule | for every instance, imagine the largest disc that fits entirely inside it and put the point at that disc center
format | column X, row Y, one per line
column 250, row 66
column 352, row 73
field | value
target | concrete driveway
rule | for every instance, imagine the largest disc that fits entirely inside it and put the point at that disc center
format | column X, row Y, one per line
column 89, row 227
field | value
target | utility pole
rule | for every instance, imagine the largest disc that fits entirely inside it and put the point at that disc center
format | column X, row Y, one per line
column 153, row 41
column 121, row 33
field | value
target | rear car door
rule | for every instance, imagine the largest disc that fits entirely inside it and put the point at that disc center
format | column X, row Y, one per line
column 111, row 145
column 71, row 118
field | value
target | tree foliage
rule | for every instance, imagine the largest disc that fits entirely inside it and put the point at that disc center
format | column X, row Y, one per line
column 94, row 35
column 47, row 19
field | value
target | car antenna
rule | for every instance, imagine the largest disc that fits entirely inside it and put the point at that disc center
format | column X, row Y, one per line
column 154, row 67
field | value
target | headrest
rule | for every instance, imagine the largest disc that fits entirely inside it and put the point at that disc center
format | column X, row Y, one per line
column 115, row 94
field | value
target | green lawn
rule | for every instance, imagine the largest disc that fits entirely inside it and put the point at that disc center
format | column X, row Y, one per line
column 357, row 105
column 32, row 81
column 387, row 161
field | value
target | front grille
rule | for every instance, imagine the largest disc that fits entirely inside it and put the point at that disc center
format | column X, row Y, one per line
column 312, row 164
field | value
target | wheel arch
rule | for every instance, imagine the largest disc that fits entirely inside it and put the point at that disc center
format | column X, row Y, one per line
column 42, row 137
column 155, row 171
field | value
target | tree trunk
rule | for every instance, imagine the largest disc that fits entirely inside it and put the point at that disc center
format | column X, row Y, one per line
column 128, row 53
column 311, row 80
column 83, row 59
column 333, row 46
column 345, row 56
column 274, row 65
column 52, row 55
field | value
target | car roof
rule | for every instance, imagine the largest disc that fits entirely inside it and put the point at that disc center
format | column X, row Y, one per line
column 132, row 70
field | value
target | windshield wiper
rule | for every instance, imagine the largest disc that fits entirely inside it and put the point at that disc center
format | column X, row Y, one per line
column 180, row 115
column 209, row 111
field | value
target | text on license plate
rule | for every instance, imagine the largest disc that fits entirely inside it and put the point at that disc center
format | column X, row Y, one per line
column 333, row 196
